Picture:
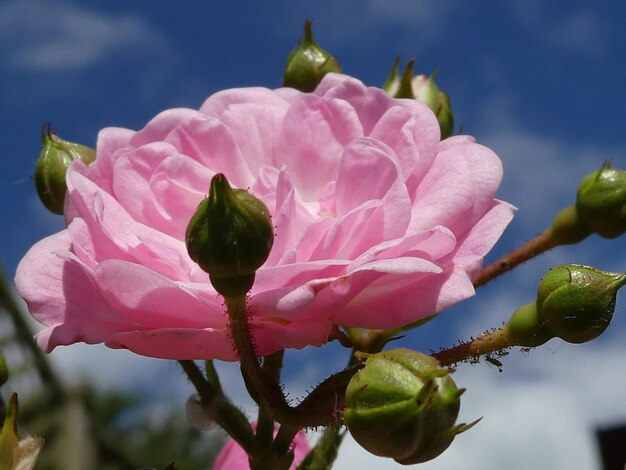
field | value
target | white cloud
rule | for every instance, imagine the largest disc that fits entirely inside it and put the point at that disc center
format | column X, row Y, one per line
column 47, row 37
column 540, row 413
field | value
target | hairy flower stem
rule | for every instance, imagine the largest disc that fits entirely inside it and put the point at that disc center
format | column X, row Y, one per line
column 225, row 414
column 487, row 343
column 264, row 436
column 567, row 228
column 319, row 408
column 528, row 250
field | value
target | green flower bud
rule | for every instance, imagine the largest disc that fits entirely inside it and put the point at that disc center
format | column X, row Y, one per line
column 526, row 328
column 230, row 236
column 308, row 63
column 403, row 405
column 577, row 302
column 55, row 158
column 4, row 370
column 425, row 90
column 601, row 201
column 16, row 453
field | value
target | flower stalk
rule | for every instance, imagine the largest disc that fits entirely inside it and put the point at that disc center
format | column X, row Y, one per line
column 225, row 414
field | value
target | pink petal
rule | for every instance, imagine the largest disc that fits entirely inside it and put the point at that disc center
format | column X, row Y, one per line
column 61, row 293
column 329, row 125
column 153, row 301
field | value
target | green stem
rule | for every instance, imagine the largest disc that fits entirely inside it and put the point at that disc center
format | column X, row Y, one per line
column 272, row 366
column 284, row 438
column 225, row 414
column 325, row 451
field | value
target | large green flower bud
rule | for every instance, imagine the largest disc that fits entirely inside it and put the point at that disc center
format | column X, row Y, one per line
column 403, row 405
column 230, row 236
column 308, row 63
column 54, row 160
column 601, row 201
column 577, row 302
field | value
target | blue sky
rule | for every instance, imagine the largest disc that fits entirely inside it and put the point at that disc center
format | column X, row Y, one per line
column 542, row 83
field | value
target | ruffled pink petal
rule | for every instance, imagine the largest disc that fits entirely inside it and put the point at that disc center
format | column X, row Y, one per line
column 369, row 103
column 329, row 125
column 233, row 457
column 177, row 186
column 413, row 134
column 161, row 125
column 482, row 237
column 395, row 300
column 116, row 235
column 154, row 301
column 213, row 145
column 253, row 115
column 285, row 291
column 272, row 335
column 290, row 219
column 458, row 188
column 61, row 293
column 176, row 343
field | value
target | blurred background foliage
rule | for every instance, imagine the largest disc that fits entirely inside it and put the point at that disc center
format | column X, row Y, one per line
column 86, row 428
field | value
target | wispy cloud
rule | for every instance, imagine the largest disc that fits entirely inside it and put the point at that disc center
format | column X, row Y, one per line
column 582, row 32
column 364, row 20
column 41, row 36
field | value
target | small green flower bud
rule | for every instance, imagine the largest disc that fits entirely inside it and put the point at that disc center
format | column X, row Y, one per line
column 55, row 158
column 392, row 80
column 601, row 201
column 230, row 236
column 4, row 370
column 425, row 90
column 526, row 328
column 403, row 405
column 308, row 63
column 9, row 437
column 577, row 302
column 16, row 453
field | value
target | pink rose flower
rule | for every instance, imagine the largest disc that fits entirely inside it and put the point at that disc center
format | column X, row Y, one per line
column 378, row 223
column 233, row 457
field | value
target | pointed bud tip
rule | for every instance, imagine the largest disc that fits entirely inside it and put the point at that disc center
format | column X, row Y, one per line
column 308, row 63
column 55, row 158
column 425, row 90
